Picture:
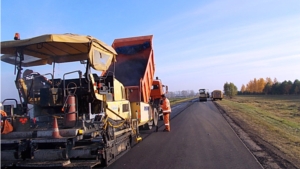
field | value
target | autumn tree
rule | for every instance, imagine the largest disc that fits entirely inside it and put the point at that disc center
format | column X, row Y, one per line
column 250, row 86
column 256, row 85
column 260, row 85
column 269, row 80
column 243, row 88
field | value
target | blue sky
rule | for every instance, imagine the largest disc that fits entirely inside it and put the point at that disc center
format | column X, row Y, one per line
column 197, row 44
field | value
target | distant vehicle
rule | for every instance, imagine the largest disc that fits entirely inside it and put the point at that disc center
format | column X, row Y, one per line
column 216, row 95
column 202, row 95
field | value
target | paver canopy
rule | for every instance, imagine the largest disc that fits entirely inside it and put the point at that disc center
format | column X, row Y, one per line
column 59, row 48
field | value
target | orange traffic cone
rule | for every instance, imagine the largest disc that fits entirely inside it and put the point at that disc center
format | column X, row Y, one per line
column 55, row 133
column 6, row 128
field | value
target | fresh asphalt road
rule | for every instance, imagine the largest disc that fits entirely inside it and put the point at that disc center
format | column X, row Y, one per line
column 200, row 138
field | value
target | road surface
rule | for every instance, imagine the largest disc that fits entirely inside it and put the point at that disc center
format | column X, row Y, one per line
column 200, row 137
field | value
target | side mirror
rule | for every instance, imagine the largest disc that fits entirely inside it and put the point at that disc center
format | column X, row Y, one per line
column 83, row 62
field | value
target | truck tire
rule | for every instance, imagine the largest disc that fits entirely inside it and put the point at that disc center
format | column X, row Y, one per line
column 153, row 122
column 161, row 115
column 155, row 117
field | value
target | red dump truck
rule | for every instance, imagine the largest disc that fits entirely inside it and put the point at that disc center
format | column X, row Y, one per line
column 135, row 69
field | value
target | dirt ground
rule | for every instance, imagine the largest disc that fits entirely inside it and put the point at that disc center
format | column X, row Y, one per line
column 268, row 155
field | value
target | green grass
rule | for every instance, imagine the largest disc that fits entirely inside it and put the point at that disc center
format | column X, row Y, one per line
column 174, row 101
column 276, row 119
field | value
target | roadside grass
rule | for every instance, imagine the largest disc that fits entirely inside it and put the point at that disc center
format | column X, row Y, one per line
column 275, row 119
column 174, row 101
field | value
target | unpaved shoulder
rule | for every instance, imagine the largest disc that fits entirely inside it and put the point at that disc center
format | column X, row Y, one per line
column 267, row 155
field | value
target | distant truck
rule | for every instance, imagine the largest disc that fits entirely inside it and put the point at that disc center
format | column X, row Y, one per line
column 203, row 95
column 216, row 95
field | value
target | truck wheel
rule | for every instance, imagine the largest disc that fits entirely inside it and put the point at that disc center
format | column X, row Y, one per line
column 161, row 115
column 155, row 117
column 153, row 122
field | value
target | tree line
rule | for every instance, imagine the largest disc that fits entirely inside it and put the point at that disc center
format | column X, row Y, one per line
column 269, row 86
column 255, row 86
column 182, row 93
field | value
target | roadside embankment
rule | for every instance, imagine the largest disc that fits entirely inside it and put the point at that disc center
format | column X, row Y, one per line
column 273, row 122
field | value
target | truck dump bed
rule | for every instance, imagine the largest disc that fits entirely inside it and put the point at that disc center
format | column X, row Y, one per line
column 135, row 66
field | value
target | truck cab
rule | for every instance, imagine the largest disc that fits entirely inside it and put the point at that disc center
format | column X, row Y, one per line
column 157, row 90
